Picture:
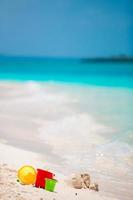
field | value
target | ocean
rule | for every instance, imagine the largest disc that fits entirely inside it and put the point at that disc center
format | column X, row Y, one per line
column 71, row 71
column 77, row 115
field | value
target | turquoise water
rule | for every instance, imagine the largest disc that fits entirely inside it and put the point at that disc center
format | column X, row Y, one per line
column 56, row 103
column 70, row 71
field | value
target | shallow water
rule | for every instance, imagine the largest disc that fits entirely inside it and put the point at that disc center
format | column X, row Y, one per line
column 75, row 127
column 116, row 74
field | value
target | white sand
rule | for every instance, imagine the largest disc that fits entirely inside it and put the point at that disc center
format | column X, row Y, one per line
column 11, row 189
column 49, row 127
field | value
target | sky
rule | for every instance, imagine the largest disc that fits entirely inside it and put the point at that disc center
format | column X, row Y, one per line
column 66, row 28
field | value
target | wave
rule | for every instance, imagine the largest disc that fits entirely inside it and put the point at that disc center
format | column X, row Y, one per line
column 85, row 127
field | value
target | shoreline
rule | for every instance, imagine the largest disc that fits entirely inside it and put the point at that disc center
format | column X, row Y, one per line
column 39, row 122
column 74, row 84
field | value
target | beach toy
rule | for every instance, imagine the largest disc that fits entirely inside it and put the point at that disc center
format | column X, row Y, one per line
column 50, row 184
column 27, row 175
column 41, row 176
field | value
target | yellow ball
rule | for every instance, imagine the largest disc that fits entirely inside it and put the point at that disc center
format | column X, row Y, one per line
column 27, row 175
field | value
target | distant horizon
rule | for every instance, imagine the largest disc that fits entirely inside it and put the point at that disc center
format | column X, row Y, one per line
column 121, row 56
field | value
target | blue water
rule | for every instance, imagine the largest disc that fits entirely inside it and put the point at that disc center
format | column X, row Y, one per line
column 96, row 122
column 71, row 71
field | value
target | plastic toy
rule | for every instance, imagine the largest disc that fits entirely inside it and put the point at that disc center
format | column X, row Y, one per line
column 50, row 184
column 41, row 176
column 27, row 175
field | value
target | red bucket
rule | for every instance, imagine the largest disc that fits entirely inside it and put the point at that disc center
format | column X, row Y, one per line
column 41, row 176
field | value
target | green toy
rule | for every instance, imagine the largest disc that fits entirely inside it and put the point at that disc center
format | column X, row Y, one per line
column 50, row 184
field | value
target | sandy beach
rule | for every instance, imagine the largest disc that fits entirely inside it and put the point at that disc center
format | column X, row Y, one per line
column 66, row 100
column 11, row 189
column 37, row 124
